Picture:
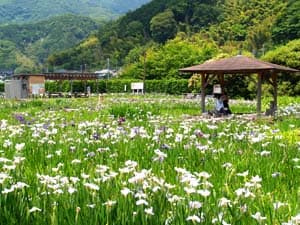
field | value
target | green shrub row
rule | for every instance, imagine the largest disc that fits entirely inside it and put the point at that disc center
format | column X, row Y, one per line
column 1, row 87
column 180, row 86
column 119, row 86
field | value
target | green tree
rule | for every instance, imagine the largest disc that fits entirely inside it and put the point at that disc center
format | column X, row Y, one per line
column 287, row 26
column 163, row 62
column 204, row 15
column 260, row 36
column 239, row 18
column 12, row 58
column 135, row 28
column 7, row 55
column 287, row 55
column 163, row 26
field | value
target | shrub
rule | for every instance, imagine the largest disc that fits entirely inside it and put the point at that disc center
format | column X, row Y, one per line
column 118, row 86
column 1, row 87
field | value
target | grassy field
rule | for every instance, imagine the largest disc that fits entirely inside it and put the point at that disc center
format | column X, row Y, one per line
column 125, row 159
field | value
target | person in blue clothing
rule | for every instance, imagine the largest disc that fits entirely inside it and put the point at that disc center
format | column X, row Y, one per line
column 221, row 104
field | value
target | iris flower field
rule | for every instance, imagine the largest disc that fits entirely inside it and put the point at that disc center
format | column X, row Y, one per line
column 148, row 159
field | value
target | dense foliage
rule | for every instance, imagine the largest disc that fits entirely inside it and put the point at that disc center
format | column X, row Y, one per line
column 139, row 27
column 36, row 41
column 172, row 86
column 160, row 37
column 30, row 11
column 288, row 55
column 12, row 58
column 287, row 26
column 163, row 61
column 231, row 24
column 248, row 23
column 163, row 26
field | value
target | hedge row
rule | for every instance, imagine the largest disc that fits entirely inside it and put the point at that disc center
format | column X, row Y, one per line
column 1, row 87
column 120, row 86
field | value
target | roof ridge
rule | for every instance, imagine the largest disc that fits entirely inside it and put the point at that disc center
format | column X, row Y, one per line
column 237, row 64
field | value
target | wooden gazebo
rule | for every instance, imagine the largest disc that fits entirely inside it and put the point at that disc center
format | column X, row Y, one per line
column 239, row 65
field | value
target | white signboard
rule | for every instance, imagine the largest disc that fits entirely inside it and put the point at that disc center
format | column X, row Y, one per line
column 217, row 89
column 137, row 86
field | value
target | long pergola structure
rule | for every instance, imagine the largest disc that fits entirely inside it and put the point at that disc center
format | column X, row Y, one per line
column 239, row 65
column 70, row 76
column 61, row 76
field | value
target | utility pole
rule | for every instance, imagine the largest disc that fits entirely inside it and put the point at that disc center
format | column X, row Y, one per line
column 108, row 63
column 263, row 49
column 107, row 75
column 144, row 75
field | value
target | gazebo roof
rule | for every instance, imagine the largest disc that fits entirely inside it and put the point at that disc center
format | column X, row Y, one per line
column 236, row 65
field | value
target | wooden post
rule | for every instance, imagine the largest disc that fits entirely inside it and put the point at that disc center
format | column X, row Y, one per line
column 221, row 80
column 274, row 82
column 203, row 85
column 97, row 83
column 71, row 87
column 60, row 85
column 272, row 79
column 258, row 96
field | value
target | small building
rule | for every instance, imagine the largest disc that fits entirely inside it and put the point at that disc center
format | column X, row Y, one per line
column 14, row 89
column 23, row 86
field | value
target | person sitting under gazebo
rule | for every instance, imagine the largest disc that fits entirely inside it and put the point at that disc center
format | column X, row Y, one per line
column 221, row 105
column 225, row 100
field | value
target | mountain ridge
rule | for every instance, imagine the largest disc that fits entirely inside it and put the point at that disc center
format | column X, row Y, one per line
column 13, row 11
column 28, row 35
column 35, row 41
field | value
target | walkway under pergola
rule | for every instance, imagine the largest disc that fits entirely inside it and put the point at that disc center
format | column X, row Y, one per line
column 63, row 76
column 239, row 65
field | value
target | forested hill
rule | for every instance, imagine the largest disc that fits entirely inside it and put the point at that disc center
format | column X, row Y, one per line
column 15, row 11
column 118, row 37
column 254, row 25
column 24, row 47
